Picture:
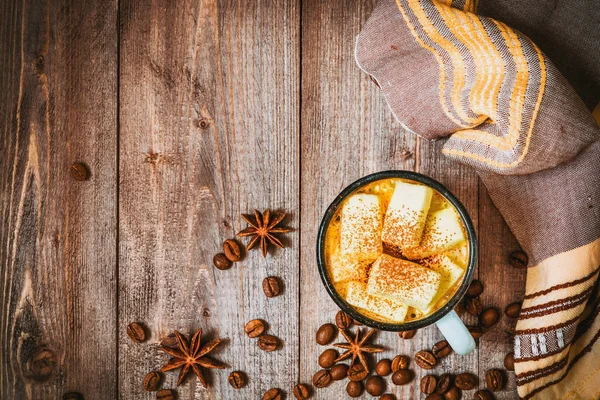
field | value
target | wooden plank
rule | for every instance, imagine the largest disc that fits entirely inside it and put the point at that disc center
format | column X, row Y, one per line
column 348, row 132
column 209, row 129
column 58, row 80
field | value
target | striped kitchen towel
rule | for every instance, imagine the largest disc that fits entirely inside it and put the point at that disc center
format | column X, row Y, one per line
column 503, row 108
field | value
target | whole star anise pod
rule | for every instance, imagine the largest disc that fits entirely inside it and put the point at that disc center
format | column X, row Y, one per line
column 261, row 229
column 191, row 355
column 357, row 347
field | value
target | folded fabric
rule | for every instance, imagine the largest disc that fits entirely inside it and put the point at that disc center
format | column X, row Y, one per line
column 503, row 108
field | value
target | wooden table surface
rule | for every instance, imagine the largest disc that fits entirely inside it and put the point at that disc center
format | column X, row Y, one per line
column 188, row 113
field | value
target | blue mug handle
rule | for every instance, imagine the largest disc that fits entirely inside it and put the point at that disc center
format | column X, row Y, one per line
column 456, row 333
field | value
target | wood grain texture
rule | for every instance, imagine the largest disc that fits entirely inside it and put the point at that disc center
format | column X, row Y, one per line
column 209, row 130
column 58, row 103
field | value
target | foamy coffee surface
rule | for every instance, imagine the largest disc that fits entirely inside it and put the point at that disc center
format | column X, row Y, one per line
column 396, row 250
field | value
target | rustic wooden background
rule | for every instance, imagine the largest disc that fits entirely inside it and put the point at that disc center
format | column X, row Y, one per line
column 188, row 113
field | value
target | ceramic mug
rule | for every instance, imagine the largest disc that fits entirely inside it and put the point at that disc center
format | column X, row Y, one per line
column 446, row 319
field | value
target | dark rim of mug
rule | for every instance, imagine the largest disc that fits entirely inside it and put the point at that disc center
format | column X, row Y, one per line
column 438, row 314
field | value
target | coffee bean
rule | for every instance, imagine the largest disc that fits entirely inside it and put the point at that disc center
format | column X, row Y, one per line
column 489, row 317
column 301, row 392
column 321, row 379
column 357, row 372
column 268, row 343
column 327, row 358
column 494, row 380
column 232, row 250
column 401, row 377
column 42, row 364
column 343, row 320
column 483, row 395
column 513, row 310
column 428, row 384
column 473, row 306
column 475, row 288
column 166, row 394
column 237, row 379
column 425, row 359
column 272, row 394
column 326, row 334
column 400, row 362
column 388, row 396
column 72, row 396
column 79, row 172
column 475, row 331
column 441, row 349
column 170, row 342
column 465, row 381
column 407, row 334
column 452, row 394
column 444, row 383
column 518, row 259
column 136, row 332
column 339, row 372
column 459, row 308
column 375, row 385
column 354, row 388
column 152, row 381
column 383, row 367
column 434, row 396
column 271, row 286
column 254, row 328
column 221, row 261
column 509, row 361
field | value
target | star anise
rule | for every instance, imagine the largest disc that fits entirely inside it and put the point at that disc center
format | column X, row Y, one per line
column 262, row 227
column 187, row 356
column 357, row 347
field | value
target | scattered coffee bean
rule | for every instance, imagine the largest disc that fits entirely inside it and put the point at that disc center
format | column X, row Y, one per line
column 271, row 286
column 441, row 349
column 343, row 320
column 388, row 396
column 268, row 343
column 459, row 308
column 375, row 385
column 301, row 392
column 327, row 358
column 400, row 362
column 428, row 384
column 518, row 259
column 489, row 317
column 425, row 359
column 407, row 334
column 452, row 394
column 152, row 381
column 72, row 396
column 326, row 334
column 513, row 310
column 473, row 306
column 465, row 381
column 42, row 364
column 166, row 394
column 321, row 379
column 339, row 372
column 483, row 395
column 383, row 367
column 254, row 328
column 237, row 379
column 354, row 388
column 494, row 380
column 475, row 331
column 136, row 332
column 232, row 250
column 357, row 372
column 444, row 383
column 401, row 377
column 509, row 361
column 475, row 289
column 169, row 341
column 434, row 396
column 221, row 261
column 79, row 172
column 272, row 394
